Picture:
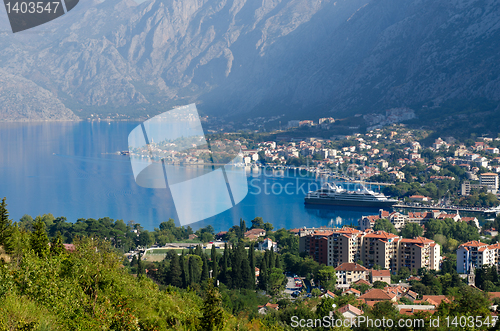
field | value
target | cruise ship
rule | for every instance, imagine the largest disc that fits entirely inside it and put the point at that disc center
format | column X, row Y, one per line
column 331, row 194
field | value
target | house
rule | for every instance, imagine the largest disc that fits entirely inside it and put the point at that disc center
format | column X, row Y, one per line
column 192, row 236
column 268, row 306
column 348, row 273
column 396, row 175
column 328, row 294
column 435, row 300
column 411, row 295
column 377, row 295
column 221, row 234
column 419, row 198
column 350, row 312
column 412, row 309
column 381, row 276
column 69, row 247
column 353, row 291
column 268, row 244
column 399, row 291
column 362, row 282
column 472, row 221
column 253, row 234
column 491, row 232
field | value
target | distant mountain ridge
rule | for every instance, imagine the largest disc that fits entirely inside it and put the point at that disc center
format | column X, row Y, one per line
column 247, row 58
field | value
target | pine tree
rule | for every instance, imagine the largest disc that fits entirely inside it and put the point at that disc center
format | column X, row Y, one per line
column 174, row 273
column 57, row 246
column 215, row 265
column 5, row 223
column 213, row 314
column 38, row 239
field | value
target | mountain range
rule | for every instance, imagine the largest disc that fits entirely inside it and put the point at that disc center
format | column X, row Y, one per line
column 240, row 58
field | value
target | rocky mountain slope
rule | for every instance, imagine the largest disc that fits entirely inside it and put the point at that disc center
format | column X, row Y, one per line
column 23, row 100
column 242, row 57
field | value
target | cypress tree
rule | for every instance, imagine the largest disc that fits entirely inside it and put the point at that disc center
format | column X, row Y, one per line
column 263, row 275
column 251, row 261
column 174, row 273
column 38, row 239
column 140, row 267
column 198, row 251
column 272, row 260
column 236, row 266
column 215, row 265
column 5, row 223
column 277, row 261
column 246, row 273
column 134, row 261
column 243, row 226
column 184, row 271
column 204, row 271
column 194, row 268
column 225, row 276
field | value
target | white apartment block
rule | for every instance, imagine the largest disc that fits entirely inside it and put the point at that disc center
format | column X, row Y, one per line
column 489, row 179
column 475, row 254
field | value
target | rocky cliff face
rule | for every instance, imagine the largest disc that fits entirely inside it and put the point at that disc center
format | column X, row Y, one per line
column 23, row 100
column 273, row 56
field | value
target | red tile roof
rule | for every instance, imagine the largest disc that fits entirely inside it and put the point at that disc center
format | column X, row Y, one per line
column 375, row 294
column 381, row 273
column 435, row 299
column 350, row 308
column 350, row 267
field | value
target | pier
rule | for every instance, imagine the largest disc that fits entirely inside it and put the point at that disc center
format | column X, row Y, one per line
column 448, row 208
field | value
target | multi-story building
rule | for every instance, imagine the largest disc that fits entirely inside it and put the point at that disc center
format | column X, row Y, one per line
column 379, row 248
column 489, row 179
column 339, row 246
column 418, row 253
column 475, row 254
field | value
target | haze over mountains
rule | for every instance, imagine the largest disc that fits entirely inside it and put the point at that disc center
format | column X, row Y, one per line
column 249, row 58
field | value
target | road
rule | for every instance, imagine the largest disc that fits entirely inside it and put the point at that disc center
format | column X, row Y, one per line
column 290, row 286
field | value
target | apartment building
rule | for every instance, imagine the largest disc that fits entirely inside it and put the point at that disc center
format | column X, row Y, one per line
column 490, row 180
column 475, row 254
column 418, row 253
column 347, row 245
column 379, row 248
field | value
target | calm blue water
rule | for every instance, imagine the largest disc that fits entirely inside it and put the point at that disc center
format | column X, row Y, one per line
column 71, row 169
